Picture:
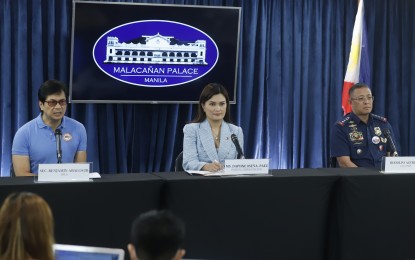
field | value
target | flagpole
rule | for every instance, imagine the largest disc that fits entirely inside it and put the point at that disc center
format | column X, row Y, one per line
column 358, row 67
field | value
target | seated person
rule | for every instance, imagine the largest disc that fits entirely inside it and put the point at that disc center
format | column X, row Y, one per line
column 26, row 228
column 157, row 235
column 207, row 140
column 35, row 142
column 359, row 139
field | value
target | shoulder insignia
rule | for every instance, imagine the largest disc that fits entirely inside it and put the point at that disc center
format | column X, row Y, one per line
column 343, row 122
column 380, row 118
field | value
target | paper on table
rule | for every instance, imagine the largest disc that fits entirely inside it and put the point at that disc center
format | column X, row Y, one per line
column 204, row 173
column 208, row 173
column 223, row 173
column 198, row 172
column 94, row 175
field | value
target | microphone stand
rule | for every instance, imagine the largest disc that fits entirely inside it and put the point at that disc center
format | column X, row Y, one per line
column 58, row 135
column 392, row 143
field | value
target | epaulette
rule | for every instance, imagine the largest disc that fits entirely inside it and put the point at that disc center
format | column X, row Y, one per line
column 380, row 118
column 343, row 122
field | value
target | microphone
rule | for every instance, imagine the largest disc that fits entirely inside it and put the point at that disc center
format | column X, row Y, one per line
column 392, row 143
column 238, row 147
column 58, row 135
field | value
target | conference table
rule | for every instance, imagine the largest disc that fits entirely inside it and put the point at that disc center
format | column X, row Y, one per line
column 289, row 214
column 373, row 216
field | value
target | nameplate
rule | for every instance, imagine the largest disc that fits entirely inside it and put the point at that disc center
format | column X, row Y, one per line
column 246, row 166
column 61, row 172
column 403, row 164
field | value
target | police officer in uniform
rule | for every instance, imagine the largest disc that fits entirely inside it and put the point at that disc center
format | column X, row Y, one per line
column 361, row 139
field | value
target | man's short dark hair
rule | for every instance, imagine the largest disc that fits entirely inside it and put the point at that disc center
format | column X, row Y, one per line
column 157, row 235
column 51, row 87
column 356, row 86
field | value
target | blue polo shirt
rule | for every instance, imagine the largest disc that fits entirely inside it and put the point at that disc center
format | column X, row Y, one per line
column 37, row 140
column 366, row 144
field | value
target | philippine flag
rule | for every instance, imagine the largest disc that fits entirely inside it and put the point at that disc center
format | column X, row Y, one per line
column 358, row 69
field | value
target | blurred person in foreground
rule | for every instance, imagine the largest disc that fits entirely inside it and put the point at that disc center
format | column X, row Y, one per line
column 157, row 235
column 207, row 139
column 26, row 228
column 35, row 142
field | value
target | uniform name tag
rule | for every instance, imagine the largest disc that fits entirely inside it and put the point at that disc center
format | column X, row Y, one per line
column 402, row 164
column 60, row 172
column 246, row 166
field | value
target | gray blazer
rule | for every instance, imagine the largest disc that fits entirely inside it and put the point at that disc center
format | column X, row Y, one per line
column 199, row 146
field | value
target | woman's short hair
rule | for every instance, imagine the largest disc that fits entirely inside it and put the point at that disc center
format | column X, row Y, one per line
column 208, row 92
column 26, row 227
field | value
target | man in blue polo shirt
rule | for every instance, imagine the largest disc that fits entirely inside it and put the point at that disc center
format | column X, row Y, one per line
column 361, row 138
column 35, row 142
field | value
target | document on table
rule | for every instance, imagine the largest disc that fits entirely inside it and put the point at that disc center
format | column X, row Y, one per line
column 206, row 173
column 94, row 175
column 220, row 173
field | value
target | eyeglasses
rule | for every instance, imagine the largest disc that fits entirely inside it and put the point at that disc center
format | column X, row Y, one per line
column 53, row 103
column 363, row 99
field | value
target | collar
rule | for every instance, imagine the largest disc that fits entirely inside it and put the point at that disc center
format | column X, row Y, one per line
column 41, row 124
column 355, row 118
column 209, row 143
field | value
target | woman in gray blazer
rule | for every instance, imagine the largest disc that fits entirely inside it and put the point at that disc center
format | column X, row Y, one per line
column 207, row 139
